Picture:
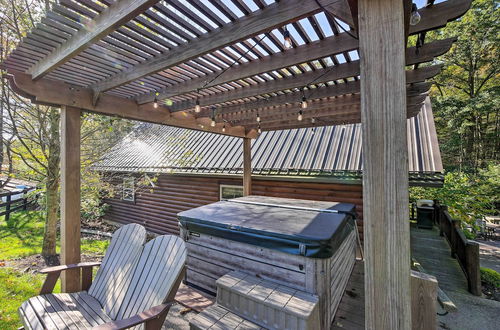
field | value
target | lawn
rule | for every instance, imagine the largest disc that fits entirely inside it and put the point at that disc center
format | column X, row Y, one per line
column 21, row 237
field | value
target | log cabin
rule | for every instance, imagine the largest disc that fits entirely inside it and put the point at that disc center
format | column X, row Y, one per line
column 194, row 168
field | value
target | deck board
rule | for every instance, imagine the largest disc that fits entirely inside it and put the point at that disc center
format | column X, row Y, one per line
column 431, row 251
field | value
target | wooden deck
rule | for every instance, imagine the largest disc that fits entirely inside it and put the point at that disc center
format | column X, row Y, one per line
column 431, row 251
column 434, row 254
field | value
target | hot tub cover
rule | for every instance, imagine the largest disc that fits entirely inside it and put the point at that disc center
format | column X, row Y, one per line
column 310, row 228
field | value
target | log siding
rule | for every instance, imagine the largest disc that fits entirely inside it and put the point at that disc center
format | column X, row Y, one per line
column 157, row 208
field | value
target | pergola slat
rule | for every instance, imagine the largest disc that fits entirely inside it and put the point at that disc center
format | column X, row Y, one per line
column 111, row 18
column 258, row 22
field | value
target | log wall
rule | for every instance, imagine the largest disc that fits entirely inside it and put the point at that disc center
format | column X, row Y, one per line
column 157, row 209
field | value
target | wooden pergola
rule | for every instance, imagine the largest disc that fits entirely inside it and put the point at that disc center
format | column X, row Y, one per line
column 223, row 66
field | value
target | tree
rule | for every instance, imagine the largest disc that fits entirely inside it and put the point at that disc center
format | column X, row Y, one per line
column 31, row 133
column 466, row 93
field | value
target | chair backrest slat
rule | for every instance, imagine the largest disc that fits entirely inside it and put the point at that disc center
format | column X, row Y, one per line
column 118, row 265
column 160, row 263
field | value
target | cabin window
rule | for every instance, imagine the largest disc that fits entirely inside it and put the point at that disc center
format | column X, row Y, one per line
column 230, row 191
column 128, row 193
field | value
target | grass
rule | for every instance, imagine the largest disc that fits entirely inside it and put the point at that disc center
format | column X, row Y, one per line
column 22, row 236
column 490, row 277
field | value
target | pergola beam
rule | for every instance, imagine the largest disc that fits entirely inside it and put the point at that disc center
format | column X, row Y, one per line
column 261, row 21
column 316, row 50
column 58, row 93
column 341, row 71
column 109, row 20
column 305, row 53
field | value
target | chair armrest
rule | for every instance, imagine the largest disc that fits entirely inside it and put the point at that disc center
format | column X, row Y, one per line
column 148, row 315
column 70, row 266
column 53, row 274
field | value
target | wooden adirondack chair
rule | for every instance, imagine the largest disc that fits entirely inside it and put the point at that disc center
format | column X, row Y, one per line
column 135, row 286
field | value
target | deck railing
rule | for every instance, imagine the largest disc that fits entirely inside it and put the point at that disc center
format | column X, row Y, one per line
column 464, row 250
column 10, row 204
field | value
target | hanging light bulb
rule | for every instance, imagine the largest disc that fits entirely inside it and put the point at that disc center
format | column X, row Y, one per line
column 288, row 39
column 212, row 123
column 259, row 129
column 299, row 117
column 304, row 103
column 197, row 107
column 155, row 103
column 258, row 117
column 415, row 16
column 224, row 128
column 313, row 120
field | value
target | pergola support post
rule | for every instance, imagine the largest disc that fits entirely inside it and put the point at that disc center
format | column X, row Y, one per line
column 247, row 166
column 385, row 165
column 70, row 197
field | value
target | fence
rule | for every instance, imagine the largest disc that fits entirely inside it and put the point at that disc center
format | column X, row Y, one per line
column 465, row 251
column 14, row 201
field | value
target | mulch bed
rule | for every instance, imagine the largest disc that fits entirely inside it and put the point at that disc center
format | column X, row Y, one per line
column 490, row 291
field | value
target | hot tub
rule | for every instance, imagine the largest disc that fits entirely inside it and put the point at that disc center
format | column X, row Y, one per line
column 307, row 245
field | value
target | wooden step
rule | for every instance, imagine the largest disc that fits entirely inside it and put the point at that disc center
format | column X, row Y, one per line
column 267, row 303
column 217, row 317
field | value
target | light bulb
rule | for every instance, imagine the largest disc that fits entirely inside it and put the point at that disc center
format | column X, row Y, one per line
column 304, row 103
column 197, row 107
column 258, row 118
column 299, row 117
column 155, row 103
column 415, row 16
column 224, row 128
column 313, row 120
column 288, row 39
column 212, row 123
column 259, row 130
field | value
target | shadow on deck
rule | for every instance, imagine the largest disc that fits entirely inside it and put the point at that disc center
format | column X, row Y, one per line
column 433, row 253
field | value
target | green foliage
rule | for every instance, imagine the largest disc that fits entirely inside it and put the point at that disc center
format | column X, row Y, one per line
column 24, row 234
column 490, row 276
column 466, row 97
column 15, row 288
column 468, row 196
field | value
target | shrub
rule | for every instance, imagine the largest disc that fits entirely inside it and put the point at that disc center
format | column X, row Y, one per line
column 490, row 277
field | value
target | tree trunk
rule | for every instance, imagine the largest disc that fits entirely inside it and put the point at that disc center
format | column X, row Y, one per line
column 52, row 189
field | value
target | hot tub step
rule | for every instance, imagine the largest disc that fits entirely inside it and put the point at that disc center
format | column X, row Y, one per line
column 216, row 317
column 267, row 303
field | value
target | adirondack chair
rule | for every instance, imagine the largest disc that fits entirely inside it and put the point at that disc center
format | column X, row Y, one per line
column 134, row 287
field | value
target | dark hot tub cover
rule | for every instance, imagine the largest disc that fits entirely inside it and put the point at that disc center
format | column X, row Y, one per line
column 310, row 228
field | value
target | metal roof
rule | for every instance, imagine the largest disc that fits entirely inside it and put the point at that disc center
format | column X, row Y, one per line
column 321, row 151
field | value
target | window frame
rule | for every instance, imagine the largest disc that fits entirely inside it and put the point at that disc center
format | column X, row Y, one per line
column 127, row 190
column 222, row 186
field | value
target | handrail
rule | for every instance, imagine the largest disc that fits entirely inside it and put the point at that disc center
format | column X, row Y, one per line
column 465, row 251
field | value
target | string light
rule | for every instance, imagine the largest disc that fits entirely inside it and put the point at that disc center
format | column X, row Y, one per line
column 155, row 103
column 415, row 15
column 304, row 103
column 288, row 39
column 259, row 129
column 258, row 117
column 212, row 123
column 299, row 117
column 197, row 107
column 224, row 128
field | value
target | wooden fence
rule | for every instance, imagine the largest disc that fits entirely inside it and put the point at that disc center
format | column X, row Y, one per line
column 464, row 250
column 12, row 205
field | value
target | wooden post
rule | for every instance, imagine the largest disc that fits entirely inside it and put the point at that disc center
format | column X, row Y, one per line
column 247, row 166
column 385, row 164
column 70, row 197
column 8, row 200
column 423, row 301
column 473, row 268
